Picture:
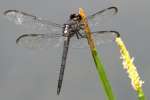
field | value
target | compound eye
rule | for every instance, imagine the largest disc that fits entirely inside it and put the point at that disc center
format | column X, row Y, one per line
column 72, row 16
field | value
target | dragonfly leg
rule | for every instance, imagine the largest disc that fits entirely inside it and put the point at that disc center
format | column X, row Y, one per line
column 81, row 35
column 77, row 35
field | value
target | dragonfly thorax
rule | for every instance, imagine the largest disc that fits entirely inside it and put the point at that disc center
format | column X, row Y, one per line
column 73, row 26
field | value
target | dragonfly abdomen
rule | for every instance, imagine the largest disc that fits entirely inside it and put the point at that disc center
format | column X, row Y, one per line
column 63, row 63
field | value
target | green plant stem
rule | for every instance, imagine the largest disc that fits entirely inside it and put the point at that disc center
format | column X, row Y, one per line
column 140, row 94
column 102, row 75
column 99, row 66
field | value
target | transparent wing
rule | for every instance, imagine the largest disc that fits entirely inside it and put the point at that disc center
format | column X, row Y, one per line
column 49, row 32
column 103, row 37
column 31, row 21
column 96, row 18
column 34, row 41
column 78, row 43
column 100, row 37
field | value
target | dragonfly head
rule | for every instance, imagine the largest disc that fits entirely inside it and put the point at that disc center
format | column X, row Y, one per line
column 75, row 17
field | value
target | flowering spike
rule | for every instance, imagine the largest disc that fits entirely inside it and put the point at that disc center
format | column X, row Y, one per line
column 128, row 64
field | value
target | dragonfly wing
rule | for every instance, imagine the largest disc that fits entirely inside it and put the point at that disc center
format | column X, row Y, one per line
column 31, row 21
column 102, row 37
column 78, row 43
column 96, row 18
column 33, row 41
column 49, row 32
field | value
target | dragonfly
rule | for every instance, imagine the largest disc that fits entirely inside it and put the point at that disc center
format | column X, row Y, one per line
column 73, row 28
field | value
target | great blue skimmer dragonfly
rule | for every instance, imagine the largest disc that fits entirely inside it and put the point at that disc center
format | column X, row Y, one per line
column 73, row 28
